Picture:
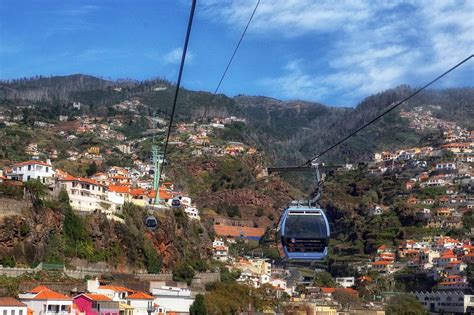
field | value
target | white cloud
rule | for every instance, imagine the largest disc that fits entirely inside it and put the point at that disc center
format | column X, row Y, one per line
column 370, row 45
column 174, row 56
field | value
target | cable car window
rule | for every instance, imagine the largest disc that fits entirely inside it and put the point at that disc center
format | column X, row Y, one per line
column 305, row 226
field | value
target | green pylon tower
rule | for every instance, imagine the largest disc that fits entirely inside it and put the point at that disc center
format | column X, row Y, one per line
column 156, row 156
column 157, row 173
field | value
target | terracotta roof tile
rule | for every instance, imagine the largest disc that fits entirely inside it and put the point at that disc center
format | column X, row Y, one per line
column 32, row 162
column 116, row 288
column 140, row 296
column 238, row 231
column 97, row 297
column 51, row 295
column 124, row 189
column 9, row 301
column 39, row 288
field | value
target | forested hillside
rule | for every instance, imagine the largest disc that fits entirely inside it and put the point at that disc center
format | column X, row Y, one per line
column 289, row 132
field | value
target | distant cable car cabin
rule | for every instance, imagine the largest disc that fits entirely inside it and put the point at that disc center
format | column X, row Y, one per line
column 151, row 223
column 175, row 203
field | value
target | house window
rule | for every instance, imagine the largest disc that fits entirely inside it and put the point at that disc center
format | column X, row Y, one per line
column 12, row 312
column 5, row 312
column 47, row 169
column 29, row 167
column 20, row 312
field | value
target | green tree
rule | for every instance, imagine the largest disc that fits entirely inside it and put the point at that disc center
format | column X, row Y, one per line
column 7, row 261
column 229, row 277
column 198, row 307
column 37, row 191
column 405, row 304
column 152, row 260
column 92, row 169
column 183, row 272
column 346, row 299
column 324, row 279
column 63, row 197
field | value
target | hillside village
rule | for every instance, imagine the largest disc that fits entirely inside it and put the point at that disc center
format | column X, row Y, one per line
column 437, row 185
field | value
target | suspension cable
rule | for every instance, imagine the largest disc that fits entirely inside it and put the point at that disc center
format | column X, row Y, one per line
column 180, row 74
column 353, row 133
column 231, row 59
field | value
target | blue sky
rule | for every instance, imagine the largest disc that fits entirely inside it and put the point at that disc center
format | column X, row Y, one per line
column 333, row 52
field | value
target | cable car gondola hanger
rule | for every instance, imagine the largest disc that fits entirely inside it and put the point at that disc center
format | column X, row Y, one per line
column 303, row 228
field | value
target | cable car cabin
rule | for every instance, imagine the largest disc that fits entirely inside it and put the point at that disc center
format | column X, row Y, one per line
column 304, row 233
column 151, row 223
column 175, row 203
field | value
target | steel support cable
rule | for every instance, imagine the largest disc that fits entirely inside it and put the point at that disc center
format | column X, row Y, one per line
column 353, row 133
column 178, row 83
column 231, row 59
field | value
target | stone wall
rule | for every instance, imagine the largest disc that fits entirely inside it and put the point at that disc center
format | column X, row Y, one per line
column 12, row 206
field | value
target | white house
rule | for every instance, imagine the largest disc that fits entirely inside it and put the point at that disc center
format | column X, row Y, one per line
column 446, row 301
column 24, row 171
column 116, row 293
column 193, row 213
column 44, row 301
column 87, row 194
column 142, row 303
column 172, row 299
column 453, row 282
column 254, row 279
column 346, row 282
column 220, row 253
column 11, row 306
column 279, row 284
column 446, row 166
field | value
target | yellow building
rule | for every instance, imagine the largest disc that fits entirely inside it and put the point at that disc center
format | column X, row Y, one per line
column 257, row 266
column 93, row 150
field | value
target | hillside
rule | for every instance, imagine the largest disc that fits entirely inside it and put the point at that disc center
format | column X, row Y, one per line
column 288, row 132
column 282, row 133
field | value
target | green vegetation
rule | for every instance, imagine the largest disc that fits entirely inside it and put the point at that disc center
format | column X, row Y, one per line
column 92, row 169
column 324, row 279
column 232, row 298
column 199, row 306
column 152, row 260
column 184, row 272
column 405, row 304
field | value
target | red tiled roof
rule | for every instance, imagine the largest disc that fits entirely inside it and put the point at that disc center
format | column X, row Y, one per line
column 328, row 290
column 115, row 288
column 164, row 194
column 137, row 191
column 119, row 189
column 332, row 290
column 9, row 301
column 39, row 288
column 381, row 262
column 80, row 179
column 96, row 297
column 140, row 296
column 51, row 295
column 237, row 231
column 32, row 162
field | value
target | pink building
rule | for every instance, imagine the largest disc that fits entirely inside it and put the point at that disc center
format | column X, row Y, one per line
column 96, row 304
